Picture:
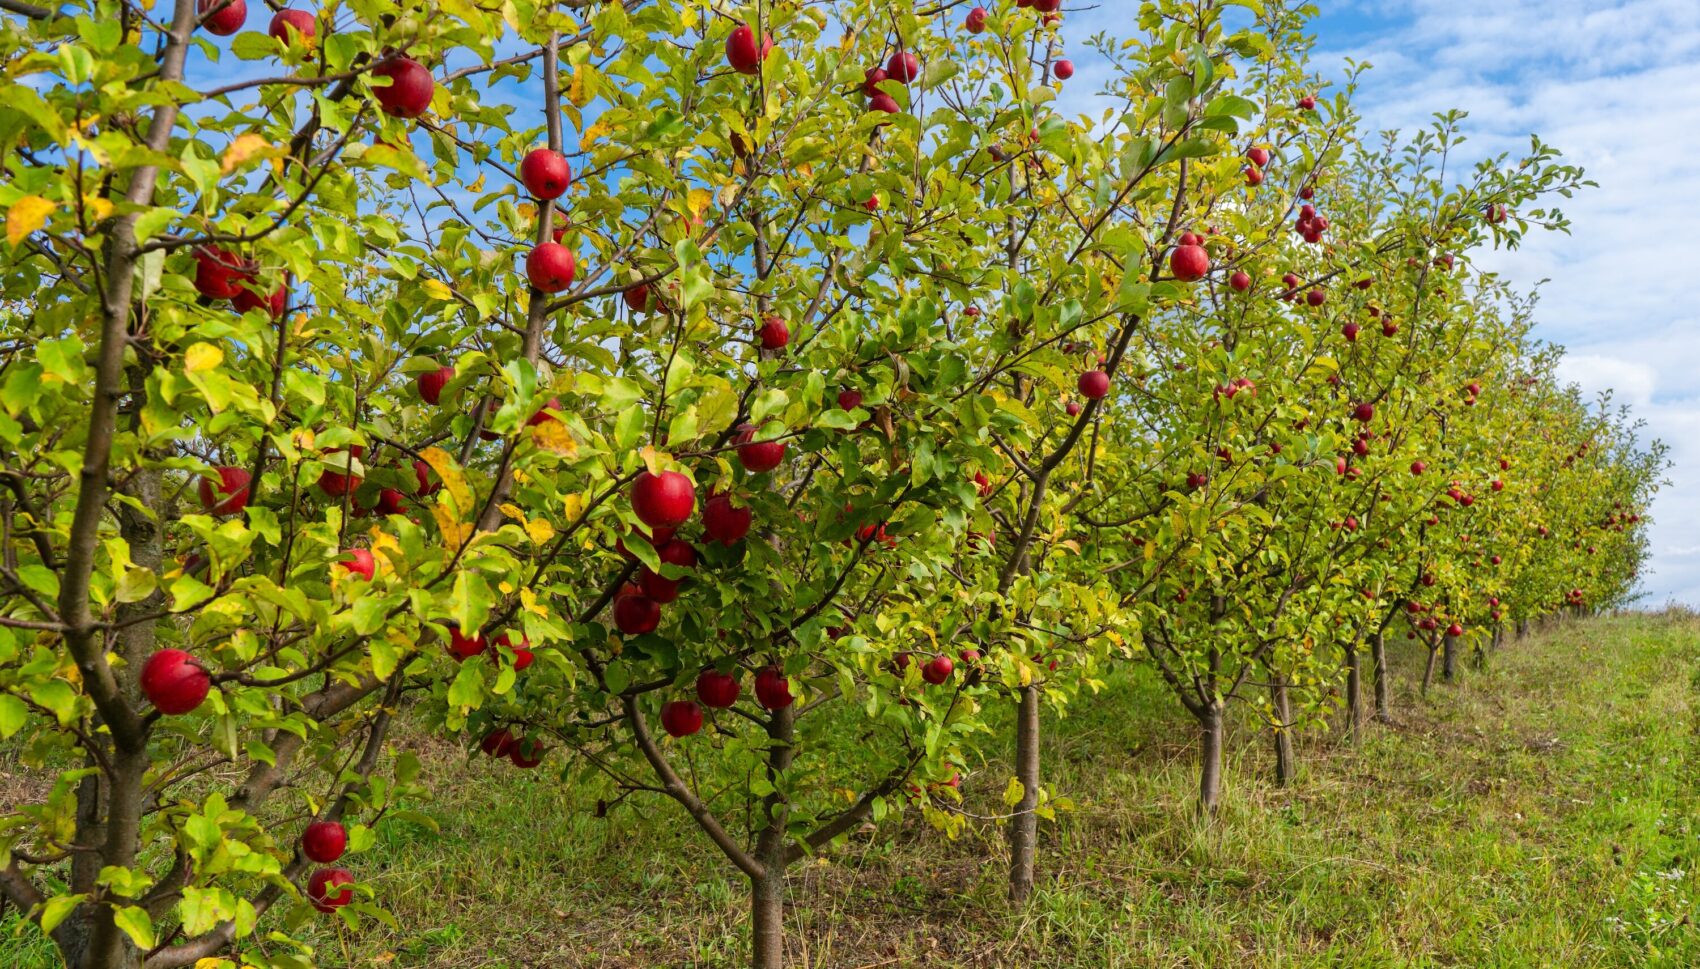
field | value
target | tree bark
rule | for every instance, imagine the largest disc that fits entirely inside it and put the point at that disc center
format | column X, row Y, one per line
column 767, row 920
column 1378, row 655
column 1354, row 692
column 1024, row 827
column 767, row 892
column 1449, row 658
column 1281, row 701
column 1210, row 741
column 1428, row 670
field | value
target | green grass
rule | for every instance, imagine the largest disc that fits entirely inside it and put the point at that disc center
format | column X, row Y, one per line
column 1541, row 812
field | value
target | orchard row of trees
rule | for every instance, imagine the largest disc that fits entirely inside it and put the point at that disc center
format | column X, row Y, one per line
column 744, row 405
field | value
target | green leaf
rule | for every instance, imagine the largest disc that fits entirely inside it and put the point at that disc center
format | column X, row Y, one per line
column 136, row 924
column 467, row 690
column 13, row 715
column 56, row 909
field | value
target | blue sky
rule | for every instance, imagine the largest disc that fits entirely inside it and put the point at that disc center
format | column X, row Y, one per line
column 1615, row 85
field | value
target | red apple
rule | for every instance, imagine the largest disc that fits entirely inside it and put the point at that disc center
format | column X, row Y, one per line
column 663, row 500
column 1316, row 297
column 903, row 67
column 410, row 88
column 681, row 718
column 1364, row 412
column 232, row 485
column 1093, row 384
column 1253, row 176
column 871, row 79
column 976, row 21
column 174, row 682
column 523, row 656
column 526, row 753
column 464, row 648
column 226, row 19
column 1455, row 630
column 339, row 483
column 359, row 561
column 849, row 399
column 1189, row 263
column 248, row 298
column 773, row 690
column 1307, row 103
column 550, row 267
column 725, row 522
column 937, row 670
column 774, row 334
column 324, row 841
column 328, row 889
column 299, row 20
column 432, row 382
column 1258, row 156
column 758, row 456
column 637, row 297
column 717, row 689
column 547, row 412
column 1064, row 69
column 635, row 613
column 1350, row 332
column 498, row 743
column 741, row 52
column 218, row 273
column 545, row 173
column 1072, row 408
column 883, row 103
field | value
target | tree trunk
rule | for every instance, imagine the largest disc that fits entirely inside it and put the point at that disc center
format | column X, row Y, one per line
column 1354, row 692
column 1210, row 740
column 1378, row 654
column 1428, row 670
column 1024, row 827
column 767, row 893
column 767, row 919
column 1282, row 706
column 1449, row 661
column 1522, row 629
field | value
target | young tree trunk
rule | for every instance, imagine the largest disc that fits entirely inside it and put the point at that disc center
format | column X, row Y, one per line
column 1354, row 692
column 1378, row 655
column 767, row 919
column 1428, row 670
column 1282, row 706
column 1210, row 740
column 1522, row 629
column 1024, row 827
column 1449, row 662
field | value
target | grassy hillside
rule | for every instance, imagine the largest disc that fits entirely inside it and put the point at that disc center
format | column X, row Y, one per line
column 1544, row 811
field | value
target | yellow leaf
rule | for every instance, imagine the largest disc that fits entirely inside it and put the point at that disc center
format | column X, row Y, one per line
column 202, row 356
column 554, row 436
column 528, row 602
column 243, row 148
column 513, row 511
column 454, row 532
column 25, row 216
column 540, row 530
column 595, row 131
column 437, row 289
column 582, row 87
column 651, row 459
column 698, row 201
column 573, row 506
column 99, row 208
column 453, row 482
